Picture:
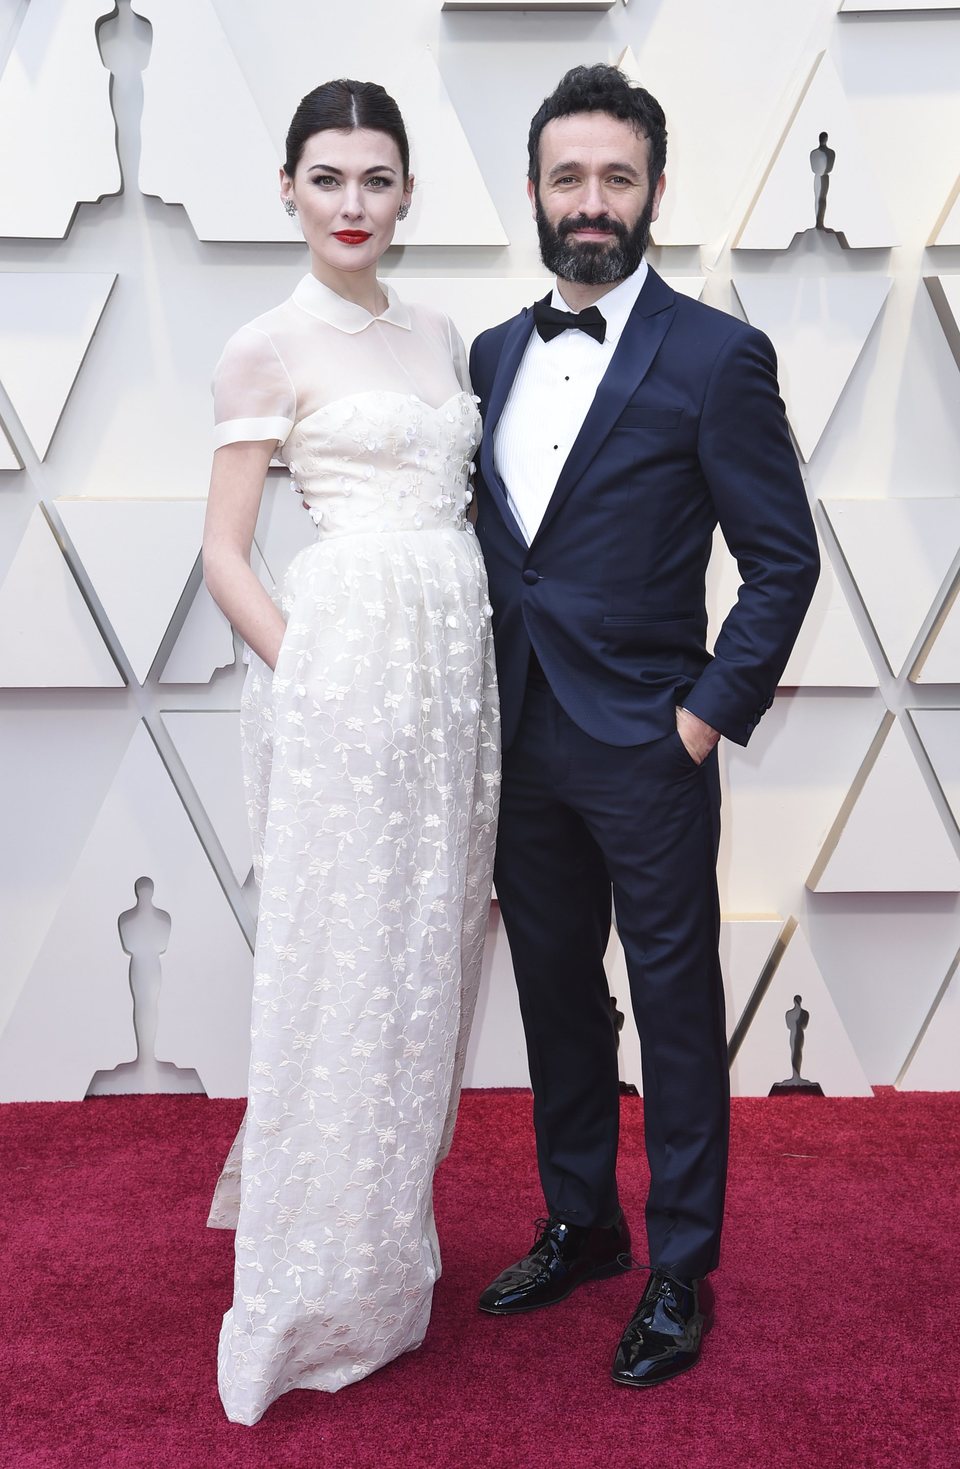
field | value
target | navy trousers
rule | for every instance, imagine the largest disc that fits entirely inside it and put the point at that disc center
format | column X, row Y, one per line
column 578, row 819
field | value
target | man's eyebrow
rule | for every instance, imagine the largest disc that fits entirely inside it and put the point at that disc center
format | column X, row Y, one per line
column 572, row 165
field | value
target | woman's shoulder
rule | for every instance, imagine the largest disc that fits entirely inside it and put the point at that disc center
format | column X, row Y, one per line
column 263, row 335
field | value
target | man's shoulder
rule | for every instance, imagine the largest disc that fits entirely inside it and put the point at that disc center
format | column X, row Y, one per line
column 710, row 322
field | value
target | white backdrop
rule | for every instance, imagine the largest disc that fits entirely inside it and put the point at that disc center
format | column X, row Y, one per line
column 119, row 683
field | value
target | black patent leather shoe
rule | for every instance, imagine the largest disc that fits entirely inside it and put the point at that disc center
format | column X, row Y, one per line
column 665, row 1332
column 563, row 1257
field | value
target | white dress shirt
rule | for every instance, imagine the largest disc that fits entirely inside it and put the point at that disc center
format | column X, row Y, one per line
column 551, row 394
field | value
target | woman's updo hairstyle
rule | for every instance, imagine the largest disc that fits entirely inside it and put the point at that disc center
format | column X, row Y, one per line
column 343, row 105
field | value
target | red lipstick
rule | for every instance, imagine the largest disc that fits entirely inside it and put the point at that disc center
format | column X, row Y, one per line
column 351, row 237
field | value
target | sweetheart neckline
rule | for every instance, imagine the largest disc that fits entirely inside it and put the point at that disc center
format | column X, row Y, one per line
column 386, row 393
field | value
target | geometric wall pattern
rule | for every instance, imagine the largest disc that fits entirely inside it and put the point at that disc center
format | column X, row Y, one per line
column 138, row 555
column 939, row 660
column 828, row 1056
column 191, row 61
column 208, row 743
column 55, row 98
column 899, row 553
column 947, row 231
column 678, row 221
column 50, row 639
column 819, row 326
column 47, row 321
column 142, row 830
column 933, row 1064
column 939, row 732
column 169, row 843
column 792, row 198
column 239, row 198
column 204, row 643
column 9, row 458
column 945, row 295
column 889, row 835
column 865, row 6
column 528, row 4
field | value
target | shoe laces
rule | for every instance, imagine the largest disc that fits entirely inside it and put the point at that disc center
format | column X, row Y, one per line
column 630, row 1262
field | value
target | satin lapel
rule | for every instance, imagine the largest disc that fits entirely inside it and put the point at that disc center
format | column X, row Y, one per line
column 514, row 346
column 646, row 327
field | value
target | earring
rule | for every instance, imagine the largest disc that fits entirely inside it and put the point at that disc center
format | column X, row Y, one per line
column 402, row 212
column 290, row 207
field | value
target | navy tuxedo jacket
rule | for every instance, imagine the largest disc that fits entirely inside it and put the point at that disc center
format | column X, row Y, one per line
column 686, row 429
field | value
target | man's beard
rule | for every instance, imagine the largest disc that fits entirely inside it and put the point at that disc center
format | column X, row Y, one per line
column 586, row 263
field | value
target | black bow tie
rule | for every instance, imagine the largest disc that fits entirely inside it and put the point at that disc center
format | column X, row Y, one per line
column 550, row 322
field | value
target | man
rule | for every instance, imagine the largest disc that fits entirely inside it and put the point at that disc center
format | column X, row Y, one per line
column 622, row 422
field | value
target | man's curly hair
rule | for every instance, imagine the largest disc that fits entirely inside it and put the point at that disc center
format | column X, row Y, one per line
column 602, row 88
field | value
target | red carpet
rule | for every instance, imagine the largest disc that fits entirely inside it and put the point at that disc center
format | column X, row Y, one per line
column 836, row 1340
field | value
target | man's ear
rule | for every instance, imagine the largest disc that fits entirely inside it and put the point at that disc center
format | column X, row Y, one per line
column 532, row 196
column 657, row 196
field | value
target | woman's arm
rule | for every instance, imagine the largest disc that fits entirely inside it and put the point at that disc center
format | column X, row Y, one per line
column 236, row 488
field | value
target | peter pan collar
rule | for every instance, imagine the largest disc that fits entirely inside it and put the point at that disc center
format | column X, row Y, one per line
column 319, row 300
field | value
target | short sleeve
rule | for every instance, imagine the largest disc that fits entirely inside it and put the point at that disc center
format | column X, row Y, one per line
column 458, row 353
column 253, row 396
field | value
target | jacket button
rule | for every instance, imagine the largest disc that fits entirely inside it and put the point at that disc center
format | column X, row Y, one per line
column 531, row 577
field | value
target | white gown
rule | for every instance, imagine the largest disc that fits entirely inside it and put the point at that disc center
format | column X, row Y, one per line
column 371, row 771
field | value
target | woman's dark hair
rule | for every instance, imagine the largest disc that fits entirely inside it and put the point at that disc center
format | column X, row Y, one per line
column 603, row 88
column 344, row 105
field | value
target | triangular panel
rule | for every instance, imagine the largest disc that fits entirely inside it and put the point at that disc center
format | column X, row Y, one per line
column 49, row 640
column 819, row 325
column 888, row 836
column 939, row 731
column 528, row 4
column 829, row 651
column 939, row 660
column 204, row 643
column 47, row 321
column 679, row 222
column 864, row 7
column 934, row 1064
column 74, row 1013
column 208, row 743
column 947, row 229
column 899, row 553
column 138, row 555
column 193, row 81
column 9, row 458
column 57, row 131
column 790, row 198
column 191, row 85
column 769, row 1049
column 451, row 203
column 945, row 295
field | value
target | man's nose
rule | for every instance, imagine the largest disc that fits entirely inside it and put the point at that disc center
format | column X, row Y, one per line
column 592, row 201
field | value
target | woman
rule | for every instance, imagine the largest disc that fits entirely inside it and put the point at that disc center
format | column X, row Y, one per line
column 371, row 766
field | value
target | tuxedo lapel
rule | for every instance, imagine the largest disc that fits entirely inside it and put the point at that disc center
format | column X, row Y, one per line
column 514, row 346
column 647, row 325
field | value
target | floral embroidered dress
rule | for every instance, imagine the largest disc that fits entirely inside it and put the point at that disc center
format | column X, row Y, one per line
column 371, row 772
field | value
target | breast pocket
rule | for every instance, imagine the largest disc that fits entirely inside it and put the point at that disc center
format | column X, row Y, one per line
column 635, row 416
